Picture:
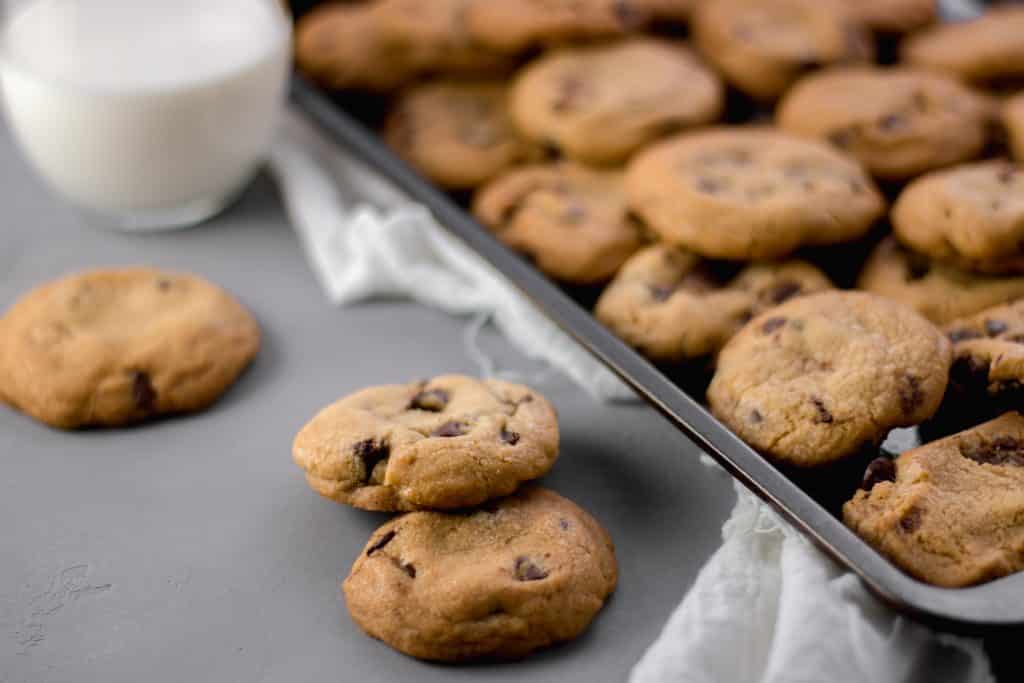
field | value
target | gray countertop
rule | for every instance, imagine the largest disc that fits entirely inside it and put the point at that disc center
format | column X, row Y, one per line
column 192, row 550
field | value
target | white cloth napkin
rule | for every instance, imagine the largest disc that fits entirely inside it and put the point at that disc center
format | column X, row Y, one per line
column 768, row 606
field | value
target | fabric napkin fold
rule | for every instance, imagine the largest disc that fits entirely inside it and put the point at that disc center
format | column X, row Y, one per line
column 768, row 607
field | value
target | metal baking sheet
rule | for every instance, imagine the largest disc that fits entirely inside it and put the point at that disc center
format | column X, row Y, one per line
column 810, row 500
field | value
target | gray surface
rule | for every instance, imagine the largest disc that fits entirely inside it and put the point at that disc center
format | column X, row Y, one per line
column 192, row 550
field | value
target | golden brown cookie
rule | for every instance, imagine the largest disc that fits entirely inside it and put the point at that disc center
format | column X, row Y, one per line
column 822, row 376
column 527, row 572
column 981, row 51
column 457, row 133
column 898, row 122
column 988, row 355
column 673, row 305
column 748, row 193
column 1013, row 121
column 763, row 46
column 598, row 104
column 516, row 25
column 951, row 512
column 570, row 219
column 894, row 16
column 450, row 442
column 939, row 292
column 115, row 347
column 969, row 216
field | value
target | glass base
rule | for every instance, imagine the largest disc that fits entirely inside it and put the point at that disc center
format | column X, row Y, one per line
column 159, row 220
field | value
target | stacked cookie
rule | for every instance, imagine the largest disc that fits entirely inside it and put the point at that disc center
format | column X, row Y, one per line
column 523, row 570
column 718, row 190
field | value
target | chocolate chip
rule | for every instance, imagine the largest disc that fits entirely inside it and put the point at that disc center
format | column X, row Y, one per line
column 143, row 392
column 659, row 293
column 962, row 335
column 450, row 429
column 784, row 291
column 563, row 524
column 1004, row 450
column 911, row 521
column 823, row 416
column 526, row 570
column 772, row 324
column 370, row 453
column 756, row 417
column 511, row 438
column 892, row 122
column 433, row 401
column 878, row 470
column 994, row 328
column 384, row 540
column 408, row 568
column 911, row 393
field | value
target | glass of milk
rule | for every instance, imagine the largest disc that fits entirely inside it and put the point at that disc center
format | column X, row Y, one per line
column 145, row 114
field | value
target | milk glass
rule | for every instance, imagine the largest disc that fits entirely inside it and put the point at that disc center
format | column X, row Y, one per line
column 144, row 114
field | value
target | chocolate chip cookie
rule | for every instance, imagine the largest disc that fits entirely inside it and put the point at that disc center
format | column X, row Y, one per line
column 984, row 50
column 763, row 46
column 940, row 292
column 988, row 355
column 820, row 377
column 970, row 216
column 450, row 442
column 898, row 122
column 570, row 219
column 673, row 305
column 342, row 47
column 950, row 512
column 894, row 16
column 115, row 347
column 599, row 104
column 529, row 571
column 1013, row 121
column 457, row 133
column 516, row 25
column 750, row 193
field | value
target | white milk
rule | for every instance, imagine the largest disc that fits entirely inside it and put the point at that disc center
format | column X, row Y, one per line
column 136, row 106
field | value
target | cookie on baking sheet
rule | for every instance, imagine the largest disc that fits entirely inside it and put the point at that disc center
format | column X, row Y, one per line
column 115, row 347
column 1013, row 121
column 763, row 46
column 449, row 442
column 951, row 512
column 527, row 572
column 939, row 292
column 517, row 25
column 894, row 16
column 750, row 193
column 984, row 50
column 988, row 355
column 342, row 47
column 673, row 305
column 821, row 376
column 598, row 104
column 457, row 133
column 898, row 122
column 435, row 31
column 570, row 219
column 970, row 216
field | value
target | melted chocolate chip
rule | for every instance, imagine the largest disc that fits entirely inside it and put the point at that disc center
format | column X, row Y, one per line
column 511, row 438
column 784, row 291
column 911, row 394
column 526, row 570
column 772, row 324
column 143, row 393
column 756, row 417
column 433, row 401
column 563, row 524
column 962, row 335
column 911, row 521
column 1004, row 450
column 823, row 416
column 370, row 453
column 994, row 328
column 450, row 429
column 408, row 568
column 384, row 540
column 878, row 470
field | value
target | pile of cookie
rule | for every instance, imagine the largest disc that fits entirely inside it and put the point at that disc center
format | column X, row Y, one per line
column 718, row 187
column 481, row 563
